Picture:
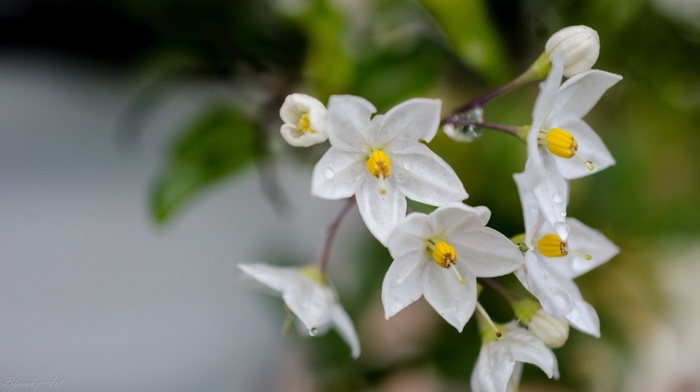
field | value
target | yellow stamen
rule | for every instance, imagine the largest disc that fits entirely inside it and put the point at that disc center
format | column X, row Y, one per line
column 562, row 144
column 445, row 256
column 550, row 245
column 379, row 166
column 305, row 124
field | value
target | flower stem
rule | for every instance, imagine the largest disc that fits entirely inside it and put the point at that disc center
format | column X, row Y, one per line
column 511, row 130
column 330, row 234
column 508, row 295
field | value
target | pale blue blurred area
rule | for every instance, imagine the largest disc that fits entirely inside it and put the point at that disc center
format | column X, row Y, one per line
column 91, row 291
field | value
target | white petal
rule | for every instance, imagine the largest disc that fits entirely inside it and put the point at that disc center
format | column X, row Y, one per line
column 425, row 177
column 547, row 97
column 381, row 212
column 296, row 105
column 590, row 147
column 348, row 121
column 584, row 318
column 310, row 302
column 407, row 123
column 410, row 235
column 454, row 218
column 338, row 174
column 580, row 93
column 297, row 138
column 455, row 302
column 493, row 369
column 403, row 282
column 552, row 195
column 343, row 324
column 486, row 253
column 545, row 286
column 526, row 347
column 585, row 240
column 277, row 278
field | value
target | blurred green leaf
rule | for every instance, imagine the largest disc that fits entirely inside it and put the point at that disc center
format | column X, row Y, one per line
column 218, row 143
column 329, row 66
column 390, row 78
column 469, row 29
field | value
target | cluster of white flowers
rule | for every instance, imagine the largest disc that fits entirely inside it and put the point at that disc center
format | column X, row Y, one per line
column 383, row 159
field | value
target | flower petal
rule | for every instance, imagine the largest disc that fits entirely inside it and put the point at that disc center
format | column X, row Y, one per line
column 410, row 235
column 590, row 147
column 276, row 278
column 455, row 302
column 297, row 138
column 403, row 282
column 343, row 324
column 547, row 97
column 348, row 121
column 580, row 93
column 409, row 122
column 381, row 212
column 526, row 347
column 310, row 302
column 296, row 105
column 425, row 177
column 452, row 219
column 486, row 253
column 545, row 286
column 584, row 318
column 493, row 369
column 338, row 174
column 586, row 240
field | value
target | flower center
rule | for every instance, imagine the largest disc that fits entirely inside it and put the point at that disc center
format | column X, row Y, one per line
column 379, row 165
column 445, row 256
column 550, row 245
column 562, row 144
column 305, row 124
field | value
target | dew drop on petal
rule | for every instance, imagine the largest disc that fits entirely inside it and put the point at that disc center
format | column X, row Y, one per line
column 557, row 199
column 400, row 178
column 329, row 173
column 407, row 165
column 313, row 332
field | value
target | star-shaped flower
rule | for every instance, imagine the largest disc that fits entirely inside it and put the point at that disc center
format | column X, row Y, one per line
column 304, row 120
column 307, row 293
column 551, row 265
column 426, row 247
column 383, row 159
column 499, row 363
column 558, row 132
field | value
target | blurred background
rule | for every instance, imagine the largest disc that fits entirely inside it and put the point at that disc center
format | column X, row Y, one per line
column 140, row 161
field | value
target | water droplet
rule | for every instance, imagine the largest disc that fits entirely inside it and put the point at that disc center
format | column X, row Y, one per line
column 557, row 199
column 400, row 178
column 563, row 213
column 313, row 332
column 329, row 173
column 407, row 165
column 533, row 209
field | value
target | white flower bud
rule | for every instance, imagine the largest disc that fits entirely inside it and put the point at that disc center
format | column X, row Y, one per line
column 578, row 45
column 304, row 120
column 553, row 331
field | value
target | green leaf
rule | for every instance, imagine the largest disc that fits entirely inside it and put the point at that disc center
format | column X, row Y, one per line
column 468, row 27
column 218, row 144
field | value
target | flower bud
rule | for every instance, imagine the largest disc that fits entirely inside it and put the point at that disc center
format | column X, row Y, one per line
column 553, row 331
column 578, row 45
column 304, row 120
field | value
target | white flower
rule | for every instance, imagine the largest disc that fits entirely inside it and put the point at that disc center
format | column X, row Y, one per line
column 495, row 368
column 426, row 247
column 304, row 118
column 382, row 160
column 558, row 132
column 578, row 45
column 308, row 295
column 551, row 265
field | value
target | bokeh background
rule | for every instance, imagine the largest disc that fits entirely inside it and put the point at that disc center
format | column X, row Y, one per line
column 140, row 161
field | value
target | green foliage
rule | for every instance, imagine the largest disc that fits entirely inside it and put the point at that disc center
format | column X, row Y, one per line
column 217, row 145
column 472, row 36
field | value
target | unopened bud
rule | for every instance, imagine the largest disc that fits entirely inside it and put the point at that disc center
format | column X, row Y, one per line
column 553, row 331
column 578, row 45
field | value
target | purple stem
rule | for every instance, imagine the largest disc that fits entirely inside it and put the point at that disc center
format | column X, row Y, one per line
column 331, row 231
